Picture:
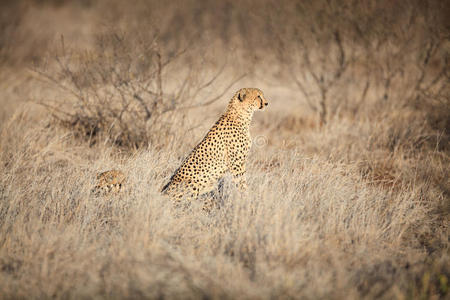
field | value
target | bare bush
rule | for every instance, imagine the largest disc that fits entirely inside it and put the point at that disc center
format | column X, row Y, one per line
column 118, row 90
column 330, row 61
column 322, row 72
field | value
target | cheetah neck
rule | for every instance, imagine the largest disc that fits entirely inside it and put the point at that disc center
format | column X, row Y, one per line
column 242, row 116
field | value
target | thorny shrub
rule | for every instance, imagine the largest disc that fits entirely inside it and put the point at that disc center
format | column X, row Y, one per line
column 119, row 93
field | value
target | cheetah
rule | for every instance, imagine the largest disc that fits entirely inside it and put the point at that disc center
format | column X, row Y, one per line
column 225, row 148
column 109, row 182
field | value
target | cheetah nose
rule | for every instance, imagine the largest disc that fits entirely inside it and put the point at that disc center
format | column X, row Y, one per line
column 265, row 104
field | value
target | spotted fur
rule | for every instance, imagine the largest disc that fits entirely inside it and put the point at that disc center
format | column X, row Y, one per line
column 225, row 148
column 109, row 182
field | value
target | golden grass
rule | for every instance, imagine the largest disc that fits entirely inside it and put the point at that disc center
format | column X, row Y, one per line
column 342, row 222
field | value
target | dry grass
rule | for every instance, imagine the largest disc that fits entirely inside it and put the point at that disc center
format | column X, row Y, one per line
column 350, row 205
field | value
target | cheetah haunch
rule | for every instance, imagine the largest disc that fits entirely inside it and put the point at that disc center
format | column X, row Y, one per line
column 225, row 148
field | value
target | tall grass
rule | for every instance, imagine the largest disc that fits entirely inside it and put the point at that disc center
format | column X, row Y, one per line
column 309, row 228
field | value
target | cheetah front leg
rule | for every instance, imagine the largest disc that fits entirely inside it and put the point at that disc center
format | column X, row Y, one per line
column 236, row 158
column 238, row 172
column 240, row 181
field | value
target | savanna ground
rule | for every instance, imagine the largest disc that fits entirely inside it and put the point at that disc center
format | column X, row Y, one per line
column 348, row 174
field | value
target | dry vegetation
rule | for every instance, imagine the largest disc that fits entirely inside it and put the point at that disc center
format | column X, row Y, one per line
column 348, row 175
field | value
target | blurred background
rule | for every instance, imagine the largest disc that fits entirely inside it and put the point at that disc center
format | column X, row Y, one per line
column 330, row 58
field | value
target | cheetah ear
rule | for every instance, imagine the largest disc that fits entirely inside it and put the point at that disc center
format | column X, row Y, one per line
column 241, row 96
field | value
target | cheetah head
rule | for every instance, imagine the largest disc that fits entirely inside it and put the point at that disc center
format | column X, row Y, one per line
column 250, row 98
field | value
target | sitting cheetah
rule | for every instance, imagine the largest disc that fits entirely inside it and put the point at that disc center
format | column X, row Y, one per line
column 109, row 182
column 224, row 148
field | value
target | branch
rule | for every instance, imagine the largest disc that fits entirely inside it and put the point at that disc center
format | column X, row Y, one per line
column 302, row 90
column 208, row 102
column 148, row 114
